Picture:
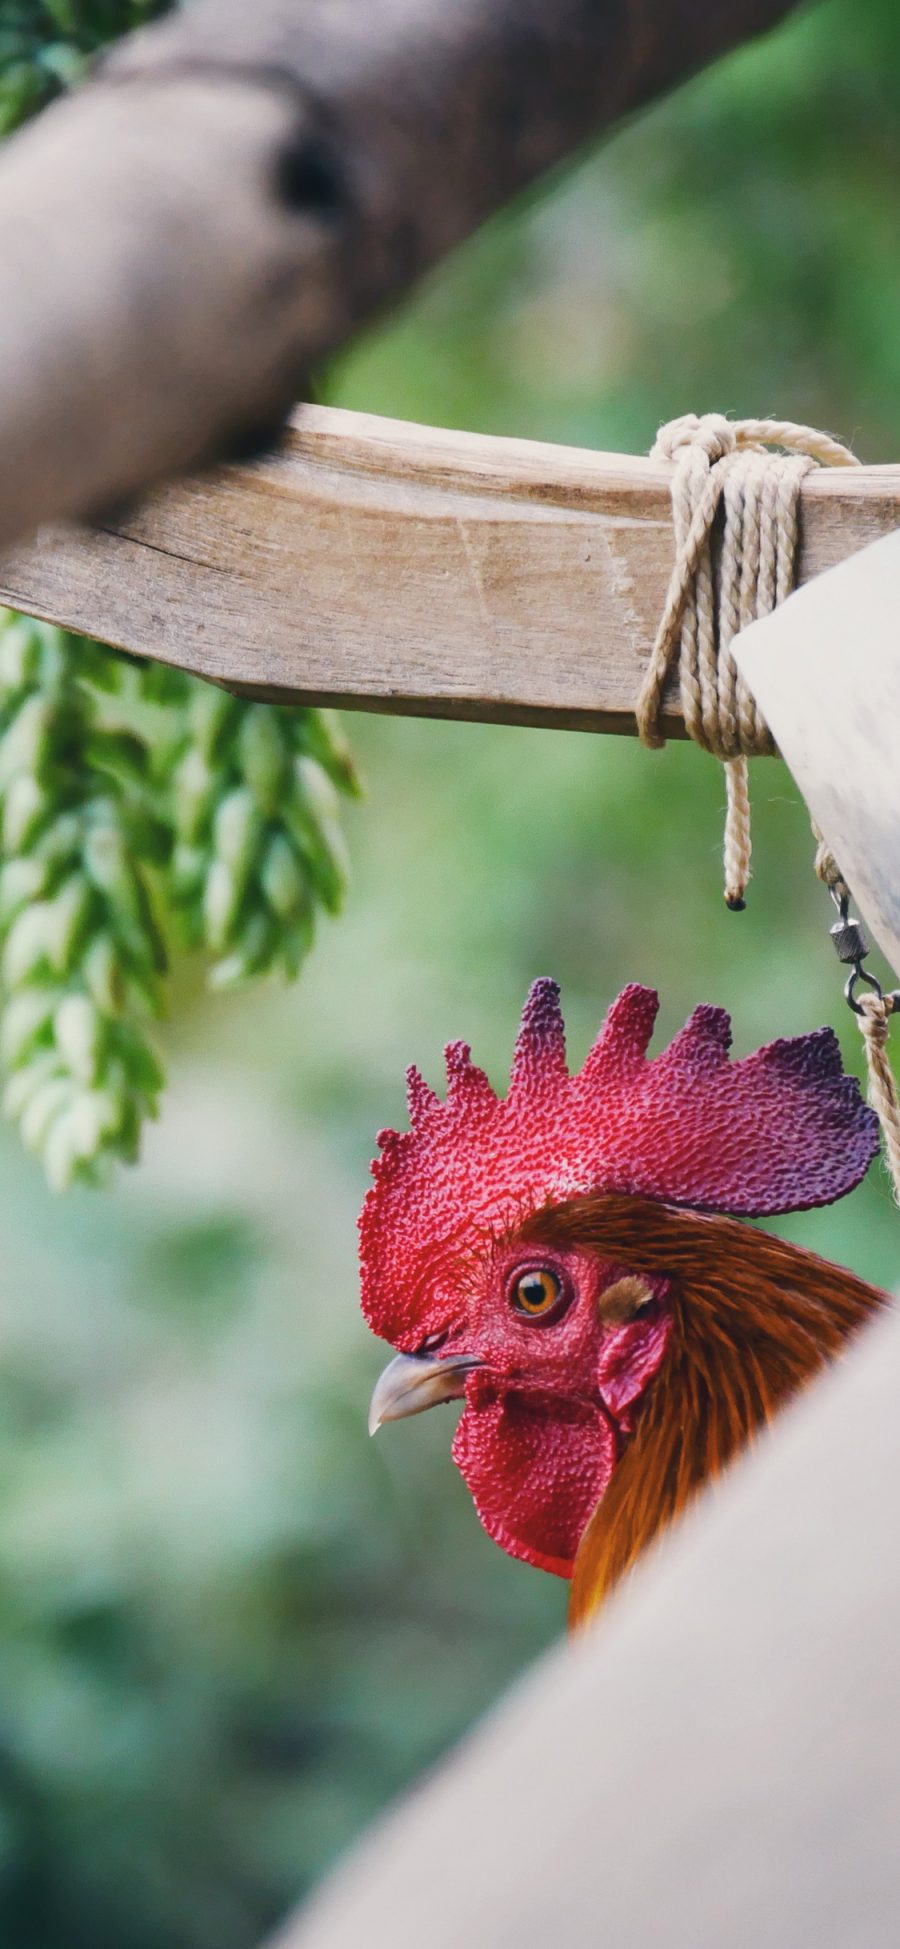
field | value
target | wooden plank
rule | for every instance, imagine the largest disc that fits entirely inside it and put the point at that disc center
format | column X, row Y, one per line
column 387, row 566
column 826, row 671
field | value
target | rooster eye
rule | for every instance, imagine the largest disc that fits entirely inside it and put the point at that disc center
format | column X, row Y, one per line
column 537, row 1293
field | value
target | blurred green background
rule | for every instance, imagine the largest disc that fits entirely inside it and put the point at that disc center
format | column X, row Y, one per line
column 232, row 1627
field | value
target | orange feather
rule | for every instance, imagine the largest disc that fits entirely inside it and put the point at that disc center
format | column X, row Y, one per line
column 754, row 1319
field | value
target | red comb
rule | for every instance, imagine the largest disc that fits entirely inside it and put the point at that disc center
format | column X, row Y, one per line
column 781, row 1130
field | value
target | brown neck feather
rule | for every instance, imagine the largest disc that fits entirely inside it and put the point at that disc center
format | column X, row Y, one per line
column 754, row 1319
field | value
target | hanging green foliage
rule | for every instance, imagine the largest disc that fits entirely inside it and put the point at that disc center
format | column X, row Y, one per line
column 253, row 809
column 134, row 804
column 82, row 949
column 44, row 45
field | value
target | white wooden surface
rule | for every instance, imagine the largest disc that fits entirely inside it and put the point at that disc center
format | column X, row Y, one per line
column 715, row 1765
column 826, row 670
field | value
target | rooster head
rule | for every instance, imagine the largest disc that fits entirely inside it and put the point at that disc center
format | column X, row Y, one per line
column 519, row 1252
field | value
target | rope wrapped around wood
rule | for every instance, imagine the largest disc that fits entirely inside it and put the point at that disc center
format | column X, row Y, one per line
column 726, row 574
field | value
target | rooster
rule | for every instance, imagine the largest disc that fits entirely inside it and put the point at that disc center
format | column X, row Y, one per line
column 569, row 1261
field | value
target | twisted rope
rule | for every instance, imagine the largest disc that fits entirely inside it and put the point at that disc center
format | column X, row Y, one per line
column 875, row 1012
column 716, row 591
column 826, row 868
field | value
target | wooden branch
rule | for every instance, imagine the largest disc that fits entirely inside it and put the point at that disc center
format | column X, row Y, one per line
column 395, row 567
column 243, row 185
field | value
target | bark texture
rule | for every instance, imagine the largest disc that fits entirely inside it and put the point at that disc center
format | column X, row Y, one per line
column 241, row 187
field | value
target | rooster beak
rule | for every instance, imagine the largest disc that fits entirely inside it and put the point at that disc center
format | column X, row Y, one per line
column 412, row 1382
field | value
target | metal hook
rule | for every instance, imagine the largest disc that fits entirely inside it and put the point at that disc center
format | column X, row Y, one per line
column 891, row 1000
column 859, row 973
column 851, row 945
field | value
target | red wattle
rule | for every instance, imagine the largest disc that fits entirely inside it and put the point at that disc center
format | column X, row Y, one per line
column 536, row 1468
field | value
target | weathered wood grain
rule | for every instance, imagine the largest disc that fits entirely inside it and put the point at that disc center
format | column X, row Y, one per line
column 387, row 566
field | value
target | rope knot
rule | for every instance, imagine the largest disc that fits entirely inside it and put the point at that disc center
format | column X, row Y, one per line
column 726, row 574
column 711, row 434
column 877, row 1010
